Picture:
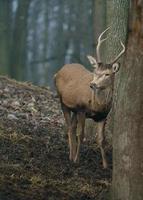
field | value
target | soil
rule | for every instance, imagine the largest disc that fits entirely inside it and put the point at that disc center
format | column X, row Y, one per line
column 34, row 152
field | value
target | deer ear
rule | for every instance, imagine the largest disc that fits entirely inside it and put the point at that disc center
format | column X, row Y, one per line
column 115, row 67
column 93, row 61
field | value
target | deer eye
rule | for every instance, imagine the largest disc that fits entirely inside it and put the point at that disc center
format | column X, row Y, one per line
column 107, row 75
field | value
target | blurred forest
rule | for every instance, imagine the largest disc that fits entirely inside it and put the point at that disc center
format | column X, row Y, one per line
column 38, row 37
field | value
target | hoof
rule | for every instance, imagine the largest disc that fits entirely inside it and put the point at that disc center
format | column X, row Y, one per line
column 70, row 157
column 76, row 160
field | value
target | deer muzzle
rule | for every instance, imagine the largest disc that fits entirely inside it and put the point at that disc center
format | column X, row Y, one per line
column 94, row 86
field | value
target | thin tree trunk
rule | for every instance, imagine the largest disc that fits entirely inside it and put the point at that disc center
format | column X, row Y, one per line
column 5, row 29
column 18, row 50
column 45, row 36
column 36, row 12
column 56, row 41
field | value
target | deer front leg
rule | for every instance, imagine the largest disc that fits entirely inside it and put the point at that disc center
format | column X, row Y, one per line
column 80, row 133
column 68, row 120
column 74, row 142
column 100, row 139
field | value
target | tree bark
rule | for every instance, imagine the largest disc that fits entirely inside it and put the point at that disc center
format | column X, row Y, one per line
column 117, row 20
column 128, row 120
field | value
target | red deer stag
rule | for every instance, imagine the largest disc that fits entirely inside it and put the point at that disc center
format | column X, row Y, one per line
column 84, row 94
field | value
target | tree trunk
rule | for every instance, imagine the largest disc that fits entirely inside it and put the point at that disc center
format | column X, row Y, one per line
column 34, row 43
column 128, row 120
column 5, row 29
column 117, row 20
column 18, row 52
column 56, row 40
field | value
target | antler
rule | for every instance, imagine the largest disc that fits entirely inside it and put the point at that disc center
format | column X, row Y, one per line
column 99, row 44
column 92, row 61
column 120, row 54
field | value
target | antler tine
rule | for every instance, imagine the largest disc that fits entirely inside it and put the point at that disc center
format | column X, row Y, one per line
column 121, row 53
column 99, row 44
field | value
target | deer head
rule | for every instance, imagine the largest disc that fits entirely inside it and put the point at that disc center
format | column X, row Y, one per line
column 104, row 73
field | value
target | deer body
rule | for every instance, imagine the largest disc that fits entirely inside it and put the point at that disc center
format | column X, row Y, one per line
column 84, row 94
column 73, row 81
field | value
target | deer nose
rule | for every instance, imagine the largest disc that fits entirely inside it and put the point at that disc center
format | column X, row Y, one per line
column 93, row 86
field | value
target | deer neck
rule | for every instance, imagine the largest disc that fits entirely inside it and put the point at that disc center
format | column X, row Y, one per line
column 102, row 98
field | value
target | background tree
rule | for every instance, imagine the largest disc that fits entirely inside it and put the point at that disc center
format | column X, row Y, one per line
column 5, row 34
column 38, row 37
column 18, row 50
column 35, row 40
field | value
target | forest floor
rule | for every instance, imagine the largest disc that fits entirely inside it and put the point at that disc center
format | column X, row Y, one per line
column 34, row 162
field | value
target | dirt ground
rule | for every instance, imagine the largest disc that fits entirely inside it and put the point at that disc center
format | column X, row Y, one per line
column 34, row 161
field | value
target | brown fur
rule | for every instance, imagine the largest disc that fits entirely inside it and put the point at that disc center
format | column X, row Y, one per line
column 84, row 94
column 73, row 86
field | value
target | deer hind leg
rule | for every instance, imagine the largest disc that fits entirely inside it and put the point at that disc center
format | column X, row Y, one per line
column 100, row 140
column 80, row 133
